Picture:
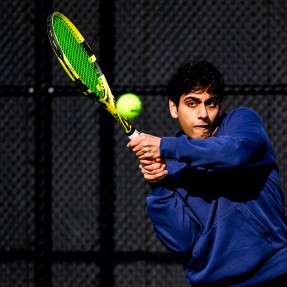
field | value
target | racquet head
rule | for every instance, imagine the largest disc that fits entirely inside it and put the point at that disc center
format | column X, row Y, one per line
column 80, row 63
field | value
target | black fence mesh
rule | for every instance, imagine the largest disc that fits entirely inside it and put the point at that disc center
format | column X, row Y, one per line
column 72, row 199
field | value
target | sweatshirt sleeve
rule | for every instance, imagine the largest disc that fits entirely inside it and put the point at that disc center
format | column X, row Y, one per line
column 174, row 223
column 241, row 141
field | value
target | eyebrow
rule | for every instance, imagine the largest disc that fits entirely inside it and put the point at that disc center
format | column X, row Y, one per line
column 192, row 98
column 196, row 99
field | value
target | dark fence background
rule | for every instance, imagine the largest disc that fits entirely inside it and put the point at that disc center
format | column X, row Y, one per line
column 72, row 199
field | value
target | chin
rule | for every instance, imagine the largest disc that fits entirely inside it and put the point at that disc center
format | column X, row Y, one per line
column 197, row 135
column 201, row 136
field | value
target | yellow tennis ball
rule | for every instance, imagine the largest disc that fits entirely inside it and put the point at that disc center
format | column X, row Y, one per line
column 129, row 105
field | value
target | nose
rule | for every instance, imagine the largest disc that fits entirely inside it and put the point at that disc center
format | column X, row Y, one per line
column 202, row 112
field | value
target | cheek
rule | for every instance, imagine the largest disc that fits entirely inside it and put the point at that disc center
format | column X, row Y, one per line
column 186, row 123
column 214, row 115
column 184, row 118
column 185, row 113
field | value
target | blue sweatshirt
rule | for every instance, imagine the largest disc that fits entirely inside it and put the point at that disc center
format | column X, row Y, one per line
column 221, row 206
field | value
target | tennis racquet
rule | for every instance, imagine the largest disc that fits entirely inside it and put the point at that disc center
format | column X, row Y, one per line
column 79, row 61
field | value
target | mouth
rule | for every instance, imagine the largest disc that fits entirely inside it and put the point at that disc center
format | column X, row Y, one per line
column 203, row 127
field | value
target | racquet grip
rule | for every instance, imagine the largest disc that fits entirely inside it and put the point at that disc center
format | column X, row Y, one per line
column 133, row 133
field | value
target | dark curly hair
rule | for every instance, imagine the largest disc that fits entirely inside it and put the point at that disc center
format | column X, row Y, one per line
column 195, row 76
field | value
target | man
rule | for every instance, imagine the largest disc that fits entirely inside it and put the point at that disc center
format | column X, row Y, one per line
column 216, row 197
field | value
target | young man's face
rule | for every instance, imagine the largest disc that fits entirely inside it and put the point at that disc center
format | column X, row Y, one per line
column 197, row 114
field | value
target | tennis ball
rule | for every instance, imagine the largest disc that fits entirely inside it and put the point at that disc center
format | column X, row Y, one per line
column 129, row 105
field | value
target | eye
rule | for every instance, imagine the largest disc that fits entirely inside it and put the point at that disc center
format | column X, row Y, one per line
column 191, row 103
column 212, row 103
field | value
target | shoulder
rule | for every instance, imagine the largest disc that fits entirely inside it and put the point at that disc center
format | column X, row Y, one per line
column 241, row 118
column 243, row 110
column 243, row 114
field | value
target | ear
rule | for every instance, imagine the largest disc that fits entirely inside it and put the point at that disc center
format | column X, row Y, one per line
column 172, row 109
column 220, row 109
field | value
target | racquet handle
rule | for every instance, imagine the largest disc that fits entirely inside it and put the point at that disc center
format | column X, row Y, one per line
column 133, row 133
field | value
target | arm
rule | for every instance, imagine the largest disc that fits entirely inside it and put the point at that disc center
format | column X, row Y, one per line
column 174, row 222
column 241, row 141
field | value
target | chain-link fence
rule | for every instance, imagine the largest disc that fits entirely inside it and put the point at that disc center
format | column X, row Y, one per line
column 72, row 209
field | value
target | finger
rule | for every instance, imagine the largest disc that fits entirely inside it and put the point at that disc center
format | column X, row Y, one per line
column 153, row 170
column 146, row 156
column 143, row 153
column 151, row 166
column 134, row 142
column 158, row 176
column 147, row 161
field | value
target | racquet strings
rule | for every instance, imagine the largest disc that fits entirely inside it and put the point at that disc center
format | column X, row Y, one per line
column 79, row 56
